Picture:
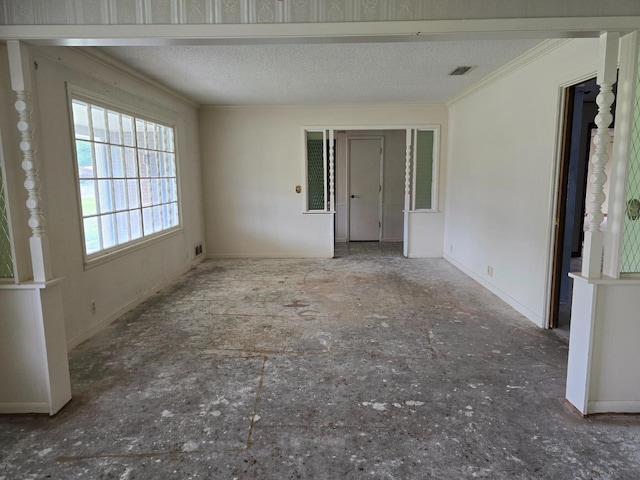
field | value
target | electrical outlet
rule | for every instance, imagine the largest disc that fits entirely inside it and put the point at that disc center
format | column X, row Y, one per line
column 490, row 270
column 92, row 305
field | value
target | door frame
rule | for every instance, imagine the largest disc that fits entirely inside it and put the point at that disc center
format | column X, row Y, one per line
column 556, row 211
column 381, row 180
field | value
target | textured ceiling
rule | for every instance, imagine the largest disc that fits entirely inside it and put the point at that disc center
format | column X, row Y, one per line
column 302, row 74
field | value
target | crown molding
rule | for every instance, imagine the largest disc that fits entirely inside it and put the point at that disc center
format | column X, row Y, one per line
column 523, row 60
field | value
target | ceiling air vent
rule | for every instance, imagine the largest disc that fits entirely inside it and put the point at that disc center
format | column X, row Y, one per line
column 460, row 70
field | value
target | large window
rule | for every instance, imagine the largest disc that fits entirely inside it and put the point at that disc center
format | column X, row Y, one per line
column 126, row 175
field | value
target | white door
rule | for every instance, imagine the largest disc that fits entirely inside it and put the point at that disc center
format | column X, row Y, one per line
column 364, row 189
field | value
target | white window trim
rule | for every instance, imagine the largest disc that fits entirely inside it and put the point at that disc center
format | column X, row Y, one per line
column 305, row 184
column 94, row 259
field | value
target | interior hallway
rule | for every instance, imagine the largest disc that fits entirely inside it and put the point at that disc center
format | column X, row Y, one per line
column 365, row 366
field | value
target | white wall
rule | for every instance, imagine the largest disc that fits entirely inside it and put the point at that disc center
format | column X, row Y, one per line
column 253, row 159
column 501, row 173
column 118, row 284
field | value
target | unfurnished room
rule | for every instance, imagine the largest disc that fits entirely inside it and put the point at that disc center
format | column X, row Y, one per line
column 254, row 239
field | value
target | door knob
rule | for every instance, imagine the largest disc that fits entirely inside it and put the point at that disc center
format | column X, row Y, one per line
column 353, row 196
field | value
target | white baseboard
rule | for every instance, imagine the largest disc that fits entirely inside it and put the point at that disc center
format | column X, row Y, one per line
column 424, row 255
column 395, row 240
column 113, row 316
column 24, row 407
column 624, row 406
column 505, row 297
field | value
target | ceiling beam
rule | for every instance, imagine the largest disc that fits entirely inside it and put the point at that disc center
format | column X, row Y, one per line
column 237, row 34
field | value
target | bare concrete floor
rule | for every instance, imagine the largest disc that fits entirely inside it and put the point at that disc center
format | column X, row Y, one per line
column 366, row 366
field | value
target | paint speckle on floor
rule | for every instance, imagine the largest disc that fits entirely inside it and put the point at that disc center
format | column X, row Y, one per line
column 190, row 447
column 381, row 407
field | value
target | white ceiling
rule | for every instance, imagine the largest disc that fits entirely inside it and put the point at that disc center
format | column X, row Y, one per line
column 329, row 73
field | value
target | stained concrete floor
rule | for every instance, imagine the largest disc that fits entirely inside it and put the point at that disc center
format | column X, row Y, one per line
column 367, row 366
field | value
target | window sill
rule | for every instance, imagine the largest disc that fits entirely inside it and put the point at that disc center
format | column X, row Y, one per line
column 102, row 258
column 31, row 285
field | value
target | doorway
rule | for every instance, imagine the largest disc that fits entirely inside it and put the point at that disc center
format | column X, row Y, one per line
column 577, row 147
column 365, row 159
column 376, row 181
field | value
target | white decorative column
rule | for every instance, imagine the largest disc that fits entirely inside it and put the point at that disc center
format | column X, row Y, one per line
column 332, row 173
column 34, row 366
column 617, row 201
column 607, row 73
column 21, row 84
column 407, row 190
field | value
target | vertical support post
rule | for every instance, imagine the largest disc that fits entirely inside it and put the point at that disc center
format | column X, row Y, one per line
column 407, row 190
column 332, row 173
column 607, row 71
column 627, row 79
column 22, row 86
column 39, row 366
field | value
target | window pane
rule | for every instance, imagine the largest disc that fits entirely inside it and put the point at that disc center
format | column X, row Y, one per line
column 102, row 160
column 134, row 193
column 130, row 163
column 122, row 223
column 99, row 129
column 135, row 222
column 115, row 136
column 160, row 137
column 145, row 191
column 157, row 218
column 155, row 191
column 424, row 169
column 153, row 164
column 140, row 134
column 117, row 163
column 174, row 214
column 166, row 216
column 147, row 221
column 162, row 164
column 315, row 171
column 151, row 135
column 91, row 235
column 81, row 119
column 106, row 196
column 171, row 164
column 169, row 139
column 164, row 190
column 127, row 130
column 88, row 197
column 143, row 163
column 173, row 190
column 84, row 154
column 120, row 194
column 108, row 230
